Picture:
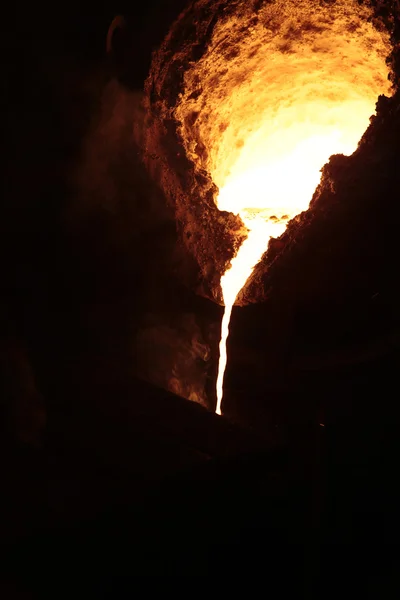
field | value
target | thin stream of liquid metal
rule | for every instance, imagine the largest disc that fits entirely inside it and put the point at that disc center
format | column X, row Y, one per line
column 223, row 355
column 233, row 280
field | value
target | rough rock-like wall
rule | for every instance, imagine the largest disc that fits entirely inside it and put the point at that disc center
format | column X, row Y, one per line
column 208, row 235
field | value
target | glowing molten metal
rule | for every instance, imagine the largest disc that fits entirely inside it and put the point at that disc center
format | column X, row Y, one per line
column 277, row 97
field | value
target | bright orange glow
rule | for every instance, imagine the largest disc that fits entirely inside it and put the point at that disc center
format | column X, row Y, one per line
column 277, row 99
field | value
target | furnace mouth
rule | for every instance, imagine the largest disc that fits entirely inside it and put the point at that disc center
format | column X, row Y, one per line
column 243, row 87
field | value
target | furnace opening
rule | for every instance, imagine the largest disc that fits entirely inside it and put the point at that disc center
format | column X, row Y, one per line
column 270, row 100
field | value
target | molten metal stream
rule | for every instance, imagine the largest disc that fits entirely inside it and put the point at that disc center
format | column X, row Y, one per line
column 247, row 257
column 271, row 99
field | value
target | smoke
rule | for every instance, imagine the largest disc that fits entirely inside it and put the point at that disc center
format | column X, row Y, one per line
column 89, row 245
column 127, row 248
column 109, row 176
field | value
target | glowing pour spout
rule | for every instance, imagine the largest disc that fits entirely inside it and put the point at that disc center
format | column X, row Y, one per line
column 286, row 197
column 271, row 98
